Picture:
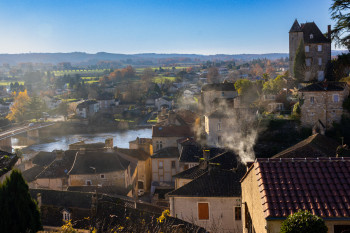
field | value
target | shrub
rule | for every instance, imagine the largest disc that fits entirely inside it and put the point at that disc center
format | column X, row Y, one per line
column 303, row 222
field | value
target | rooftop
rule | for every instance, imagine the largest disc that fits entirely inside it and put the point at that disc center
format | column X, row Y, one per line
column 168, row 152
column 7, row 161
column 135, row 153
column 325, row 86
column 219, row 87
column 314, row 146
column 172, row 131
column 98, row 162
column 320, row 185
column 214, row 183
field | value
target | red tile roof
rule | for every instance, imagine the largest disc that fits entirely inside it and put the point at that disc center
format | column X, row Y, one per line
column 320, row 185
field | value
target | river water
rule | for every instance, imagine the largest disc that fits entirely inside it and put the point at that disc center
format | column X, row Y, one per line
column 120, row 139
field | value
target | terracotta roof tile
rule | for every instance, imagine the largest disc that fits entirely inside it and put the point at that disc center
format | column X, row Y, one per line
column 320, row 185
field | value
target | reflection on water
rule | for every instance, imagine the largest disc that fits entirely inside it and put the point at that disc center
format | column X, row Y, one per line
column 120, row 139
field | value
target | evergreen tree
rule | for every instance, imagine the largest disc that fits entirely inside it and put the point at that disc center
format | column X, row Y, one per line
column 341, row 14
column 299, row 62
column 19, row 212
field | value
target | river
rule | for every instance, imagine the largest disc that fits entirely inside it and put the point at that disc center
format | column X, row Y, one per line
column 120, row 139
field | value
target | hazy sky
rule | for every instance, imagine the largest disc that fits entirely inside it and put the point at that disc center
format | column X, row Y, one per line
column 159, row 26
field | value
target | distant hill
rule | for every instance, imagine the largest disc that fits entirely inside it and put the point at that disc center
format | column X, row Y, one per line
column 86, row 58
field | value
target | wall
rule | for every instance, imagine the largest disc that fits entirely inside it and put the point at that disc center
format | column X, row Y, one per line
column 179, row 182
column 323, row 107
column 166, row 142
column 221, row 212
column 54, row 183
column 111, row 179
column 251, row 197
column 167, row 172
column 207, row 98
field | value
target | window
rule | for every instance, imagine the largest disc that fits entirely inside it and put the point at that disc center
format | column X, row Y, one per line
column 203, row 211
column 308, row 61
column 320, row 61
column 160, row 164
column 238, row 213
column 219, row 127
column 311, row 36
column 320, row 75
column 88, row 182
column 307, row 49
column 312, row 99
column 335, row 98
column 102, row 176
column 159, row 145
column 319, row 48
column 173, row 164
column 66, row 215
column 223, row 93
column 219, row 139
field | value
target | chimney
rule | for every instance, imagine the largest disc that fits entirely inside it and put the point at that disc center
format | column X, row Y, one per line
column 206, row 154
column 59, row 154
column 109, row 144
column 329, row 32
column 82, row 150
column 38, row 198
column 172, row 117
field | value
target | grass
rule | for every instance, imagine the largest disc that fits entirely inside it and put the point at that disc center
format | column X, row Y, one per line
column 82, row 71
column 160, row 79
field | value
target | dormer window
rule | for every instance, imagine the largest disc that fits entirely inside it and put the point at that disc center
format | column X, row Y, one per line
column 311, row 36
column 66, row 215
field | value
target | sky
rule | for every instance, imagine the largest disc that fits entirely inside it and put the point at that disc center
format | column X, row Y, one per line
column 155, row 26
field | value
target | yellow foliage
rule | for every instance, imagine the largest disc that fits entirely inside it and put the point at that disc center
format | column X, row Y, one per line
column 19, row 108
column 162, row 218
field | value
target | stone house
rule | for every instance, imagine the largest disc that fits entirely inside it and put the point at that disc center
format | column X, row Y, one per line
column 212, row 201
column 216, row 92
column 87, row 108
column 92, row 168
column 144, row 144
column 165, row 164
column 272, row 189
column 167, row 135
column 55, row 176
column 164, row 102
column 322, row 102
column 140, row 161
column 317, row 49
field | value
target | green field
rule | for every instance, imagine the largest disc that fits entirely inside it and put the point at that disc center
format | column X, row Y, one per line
column 82, row 72
column 160, row 79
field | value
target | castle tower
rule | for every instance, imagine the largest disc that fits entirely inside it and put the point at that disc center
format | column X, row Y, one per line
column 295, row 35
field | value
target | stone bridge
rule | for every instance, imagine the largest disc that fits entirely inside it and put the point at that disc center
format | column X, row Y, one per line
column 32, row 131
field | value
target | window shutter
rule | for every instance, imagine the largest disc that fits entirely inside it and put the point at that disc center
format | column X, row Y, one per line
column 203, row 211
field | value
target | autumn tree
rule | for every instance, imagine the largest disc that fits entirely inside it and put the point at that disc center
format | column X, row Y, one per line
column 299, row 63
column 213, row 75
column 340, row 12
column 19, row 212
column 19, row 109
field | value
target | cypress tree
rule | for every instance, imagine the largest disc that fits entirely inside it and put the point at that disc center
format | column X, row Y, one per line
column 299, row 62
column 19, row 212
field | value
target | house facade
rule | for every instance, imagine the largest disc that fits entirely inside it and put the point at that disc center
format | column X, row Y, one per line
column 317, row 49
column 87, row 108
column 212, row 201
column 216, row 92
column 167, row 135
column 165, row 164
column 322, row 102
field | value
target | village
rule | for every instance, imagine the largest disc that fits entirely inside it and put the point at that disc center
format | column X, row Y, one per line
column 235, row 145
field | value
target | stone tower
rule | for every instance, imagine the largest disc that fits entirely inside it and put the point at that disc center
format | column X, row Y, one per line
column 317, row 49
column 295, row 35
